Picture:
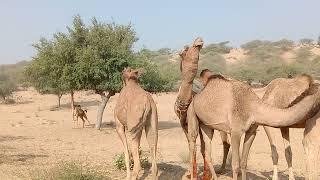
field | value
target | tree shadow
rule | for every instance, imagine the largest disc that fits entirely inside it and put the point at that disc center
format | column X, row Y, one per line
column 24, row 102
column 9, row 159
column 84, row 104
column 168, row 125
column 13, row 138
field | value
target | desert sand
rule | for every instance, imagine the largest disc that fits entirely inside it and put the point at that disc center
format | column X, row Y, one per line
column 35, row 136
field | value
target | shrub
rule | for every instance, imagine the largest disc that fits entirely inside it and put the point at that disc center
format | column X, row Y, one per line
column 120, row 163
column 7, row 87
column 69, row 171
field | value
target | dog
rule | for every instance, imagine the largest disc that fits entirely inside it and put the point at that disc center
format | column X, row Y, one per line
column 79, row 112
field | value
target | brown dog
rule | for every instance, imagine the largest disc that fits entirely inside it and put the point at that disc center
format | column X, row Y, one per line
column 78, row 112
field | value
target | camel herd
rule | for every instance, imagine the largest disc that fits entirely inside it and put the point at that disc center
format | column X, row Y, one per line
column 229, row 106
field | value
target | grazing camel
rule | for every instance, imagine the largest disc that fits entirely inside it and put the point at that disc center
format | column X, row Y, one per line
column 135, row 110
column 234, row 108
column 79, row 112
column 280, row 93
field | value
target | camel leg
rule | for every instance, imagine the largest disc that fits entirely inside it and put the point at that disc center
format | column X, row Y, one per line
column 77, row 121
column 193, row 130
column 85, row 116
column 83, row 121
column 312, row 155
column 206, row 174
column 274, row 153
column 288, row 151
column 135, row 143
column 151, row 129
column 207, row 134
column 121, row 132
column 226, row 147
column 248, row 140
column 235, row 145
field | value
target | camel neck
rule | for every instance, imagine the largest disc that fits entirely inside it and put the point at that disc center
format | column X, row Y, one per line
column 185, row 91
column 132, row 83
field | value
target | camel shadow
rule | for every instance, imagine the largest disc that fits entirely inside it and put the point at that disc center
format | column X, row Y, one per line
column 168, row 125
column 165, row 171
column 281, row 174
column 257, row 175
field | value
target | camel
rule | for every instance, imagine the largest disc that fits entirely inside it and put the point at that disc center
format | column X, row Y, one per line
column 79, row 112
column 188, row 73
column 136, row 110
column 282, row 93
column 234, row 108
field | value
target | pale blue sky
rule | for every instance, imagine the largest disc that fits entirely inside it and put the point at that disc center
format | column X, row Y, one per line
column 165, row 23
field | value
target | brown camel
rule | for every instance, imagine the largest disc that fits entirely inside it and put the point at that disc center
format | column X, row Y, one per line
column 234, row 108
column 189, row 66
column 282, row 93
column 135, row 110
column 79, row 112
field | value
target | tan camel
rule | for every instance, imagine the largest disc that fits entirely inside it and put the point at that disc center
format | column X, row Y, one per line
column 189, row 67
column 234, row 108
column 280, row 93
column 135, row 110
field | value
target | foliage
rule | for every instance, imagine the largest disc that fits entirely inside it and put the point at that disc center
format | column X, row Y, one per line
column 7, row 86
column 306, row 41
column 220, row 48
column 108, row 50
column 15, row 72
column 303, row 54
column 120, row 163
column 69, row 171
column 213, row 61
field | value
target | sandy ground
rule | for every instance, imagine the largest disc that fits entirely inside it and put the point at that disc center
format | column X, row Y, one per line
column 34, row 136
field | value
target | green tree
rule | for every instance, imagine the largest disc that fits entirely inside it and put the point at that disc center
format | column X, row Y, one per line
column 45, row 71
column 108, row 49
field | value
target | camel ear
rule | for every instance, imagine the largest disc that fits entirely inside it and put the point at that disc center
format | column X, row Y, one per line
column 184, row 51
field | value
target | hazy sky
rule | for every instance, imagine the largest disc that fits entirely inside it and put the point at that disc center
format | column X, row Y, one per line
column 165, row 23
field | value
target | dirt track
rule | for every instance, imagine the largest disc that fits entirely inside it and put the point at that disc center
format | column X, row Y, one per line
column 32, row 137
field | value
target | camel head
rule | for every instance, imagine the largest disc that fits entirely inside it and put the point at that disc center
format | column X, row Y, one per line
column 204, row 76
column 129, row 74
column 190, row 58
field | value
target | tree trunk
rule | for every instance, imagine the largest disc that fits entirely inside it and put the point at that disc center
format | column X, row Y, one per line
column 59, row 99
column 72, row 104
column 104, row 99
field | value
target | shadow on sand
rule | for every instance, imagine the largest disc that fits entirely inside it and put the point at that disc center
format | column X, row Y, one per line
column 166, row 171
column 84, row 104
column 168, row 125
column 4, row 138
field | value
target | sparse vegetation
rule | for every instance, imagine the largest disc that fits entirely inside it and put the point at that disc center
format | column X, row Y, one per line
column 7, row 87
column 119, row 161
column 69, row 171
